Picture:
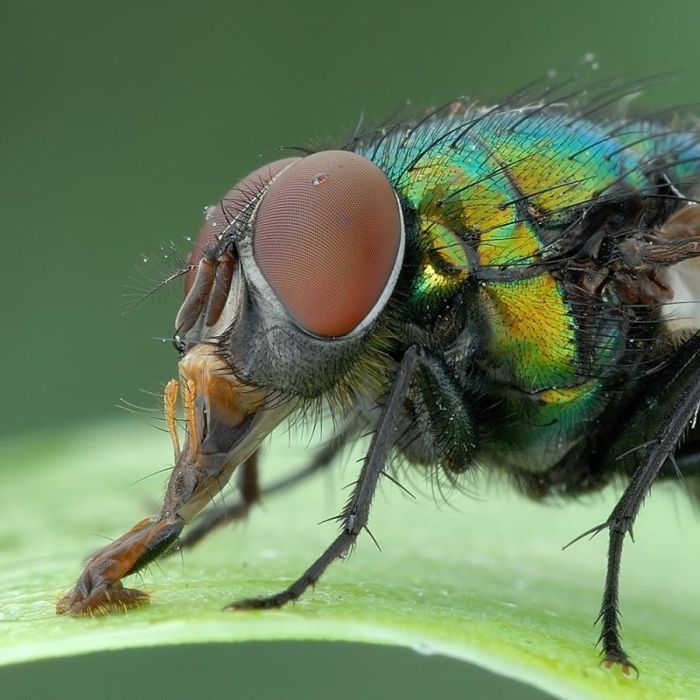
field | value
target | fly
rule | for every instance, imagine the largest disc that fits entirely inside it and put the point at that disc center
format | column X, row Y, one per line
column 513, row 288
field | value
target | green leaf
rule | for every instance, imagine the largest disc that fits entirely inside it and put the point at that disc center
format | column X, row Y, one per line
column 482, row 579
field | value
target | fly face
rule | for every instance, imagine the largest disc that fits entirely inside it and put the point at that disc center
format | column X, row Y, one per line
column 283, row 298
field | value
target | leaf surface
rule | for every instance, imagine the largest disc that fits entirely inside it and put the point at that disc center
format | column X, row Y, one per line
column 482, row 578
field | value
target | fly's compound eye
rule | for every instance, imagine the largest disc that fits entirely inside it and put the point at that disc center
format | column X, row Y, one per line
column 328, row 238
column 218, row 216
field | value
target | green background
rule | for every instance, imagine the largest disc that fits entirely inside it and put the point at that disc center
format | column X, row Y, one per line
column 120, row 121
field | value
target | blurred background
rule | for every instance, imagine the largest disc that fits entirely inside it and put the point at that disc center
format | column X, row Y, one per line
column 119, row 122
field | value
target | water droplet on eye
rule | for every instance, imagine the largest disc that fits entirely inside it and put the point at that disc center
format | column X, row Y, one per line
column 319, row 179
column 188, row 239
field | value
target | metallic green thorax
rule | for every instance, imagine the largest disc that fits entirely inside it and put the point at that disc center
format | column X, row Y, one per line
column 495, row 191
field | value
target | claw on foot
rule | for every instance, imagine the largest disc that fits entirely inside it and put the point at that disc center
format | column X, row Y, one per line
column 627, row 668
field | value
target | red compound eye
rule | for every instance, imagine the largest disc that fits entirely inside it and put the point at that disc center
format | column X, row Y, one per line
column 326, row 237
column 218, row 215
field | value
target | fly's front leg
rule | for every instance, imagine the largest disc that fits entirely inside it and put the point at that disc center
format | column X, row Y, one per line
column 446, row 415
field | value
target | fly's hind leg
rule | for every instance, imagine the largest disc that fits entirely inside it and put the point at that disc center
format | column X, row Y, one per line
column 252, row 492
column 671, row 402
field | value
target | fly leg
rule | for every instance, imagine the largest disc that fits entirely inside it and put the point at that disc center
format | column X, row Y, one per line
column 251, row 493
column 672, row 402
column 448, row 420
column 248, row 479
column 356, row 513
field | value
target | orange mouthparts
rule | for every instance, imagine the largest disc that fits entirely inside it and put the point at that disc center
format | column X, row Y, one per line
column 226, row 420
